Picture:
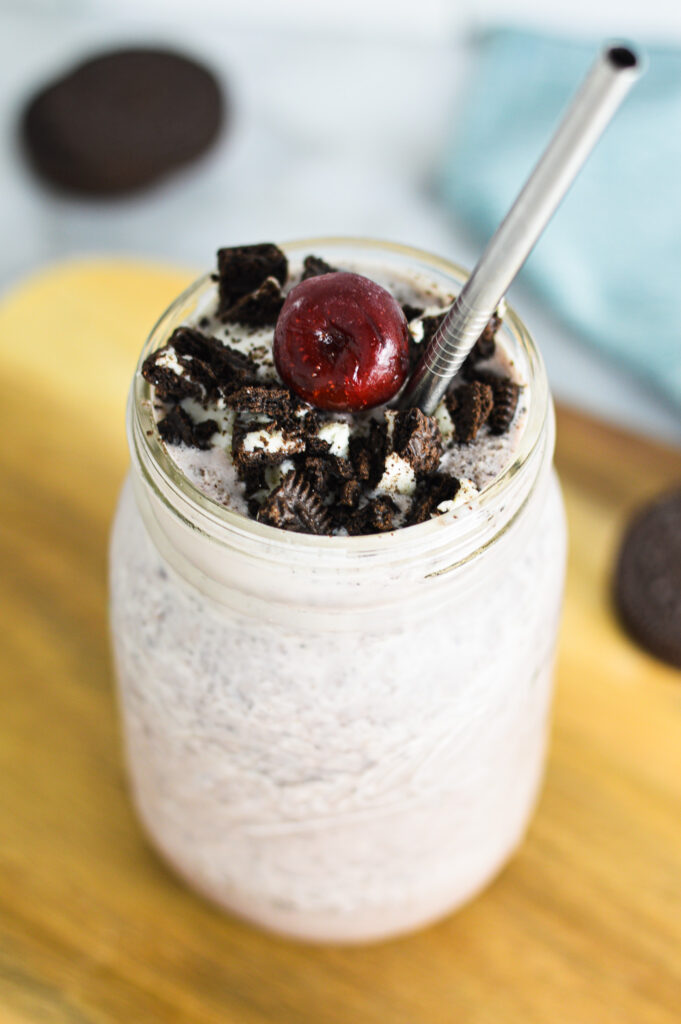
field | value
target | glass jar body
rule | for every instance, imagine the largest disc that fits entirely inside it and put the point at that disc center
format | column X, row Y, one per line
column 337, row 743
column 339, row 784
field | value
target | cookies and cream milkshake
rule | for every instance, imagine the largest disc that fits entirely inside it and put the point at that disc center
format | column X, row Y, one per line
column 334, row 622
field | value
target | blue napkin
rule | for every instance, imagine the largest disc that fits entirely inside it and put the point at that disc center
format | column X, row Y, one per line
column 609, row 263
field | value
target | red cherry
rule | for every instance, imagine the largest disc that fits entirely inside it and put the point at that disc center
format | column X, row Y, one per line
column 341, row 342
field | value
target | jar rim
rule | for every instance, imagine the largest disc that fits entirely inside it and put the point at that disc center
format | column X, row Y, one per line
column 203, row 513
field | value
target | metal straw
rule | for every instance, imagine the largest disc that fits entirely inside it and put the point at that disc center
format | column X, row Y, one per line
column 604, row 88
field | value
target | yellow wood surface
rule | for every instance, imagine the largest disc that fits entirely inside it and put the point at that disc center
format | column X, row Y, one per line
column 585, row 924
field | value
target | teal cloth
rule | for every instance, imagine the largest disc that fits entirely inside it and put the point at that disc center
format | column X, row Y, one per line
column 609, row 263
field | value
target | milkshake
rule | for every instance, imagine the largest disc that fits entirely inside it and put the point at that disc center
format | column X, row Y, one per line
column 334, row 629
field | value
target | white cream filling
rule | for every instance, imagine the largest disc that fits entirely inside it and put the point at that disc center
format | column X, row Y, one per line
column 398, row 476
column 466, row 492
column 337, row 435
column 444, row 422
column 272, row 442
column 168, row 361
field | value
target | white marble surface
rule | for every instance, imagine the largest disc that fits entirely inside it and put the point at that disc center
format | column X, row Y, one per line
column 338, row 116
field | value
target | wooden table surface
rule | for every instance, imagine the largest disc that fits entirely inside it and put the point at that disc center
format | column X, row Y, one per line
column 584, row 925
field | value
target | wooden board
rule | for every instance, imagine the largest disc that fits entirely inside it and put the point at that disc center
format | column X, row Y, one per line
column 585, row 924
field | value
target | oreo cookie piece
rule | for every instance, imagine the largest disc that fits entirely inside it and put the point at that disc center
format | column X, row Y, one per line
column 314, row 266
column 179, row 428
column 122, row 120
column 377, row 516
column 411, row 312
column 417, row 439
column 368, row 454
column 177, row 375
column 470, row 406
column 505, row 396
column 260, row 308
column 244, row 268
column 256, row 444
column 431, row 493
column 268, row 399
column 647, row 586
column 196, row 365
column 293, row 505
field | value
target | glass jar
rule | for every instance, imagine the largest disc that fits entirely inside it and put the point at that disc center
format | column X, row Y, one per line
column 338, row 738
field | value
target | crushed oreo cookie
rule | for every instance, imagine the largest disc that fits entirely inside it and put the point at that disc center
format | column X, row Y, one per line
column 178, row 427
column 256, row 443
column 196, row 365
column 506, row 395
column 301, row 469
column 418, row 440
column 411, row 312
column 430, row 493
column 268, row 399
column 294, row 505
column 349, row 493
column 469, row 406
column 259, row 308
column 244, row 268
column 313, row 266
column 376, row 516
column 174, row 377
column 368, row 453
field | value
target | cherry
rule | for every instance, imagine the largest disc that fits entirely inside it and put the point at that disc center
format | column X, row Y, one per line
column 341, row 342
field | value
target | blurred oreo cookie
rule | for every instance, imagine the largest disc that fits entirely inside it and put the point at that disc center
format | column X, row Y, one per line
column 648, row 578
column 122, row 120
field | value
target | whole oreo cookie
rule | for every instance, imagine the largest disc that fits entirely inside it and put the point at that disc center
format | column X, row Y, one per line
column 122, row 120
column 648, row 578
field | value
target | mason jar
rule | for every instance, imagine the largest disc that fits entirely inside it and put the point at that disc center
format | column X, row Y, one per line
column 337, row 738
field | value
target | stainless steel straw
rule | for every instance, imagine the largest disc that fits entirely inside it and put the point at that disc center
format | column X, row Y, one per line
column 604, row 88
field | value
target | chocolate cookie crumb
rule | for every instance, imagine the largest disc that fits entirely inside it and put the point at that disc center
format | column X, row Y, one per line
column 262, row 444
column 230, row 366
column 349, row 494
column 417, row 439
column 648, row 578
column 293, row 505
column 196, row 365
column 243, row 268
column 313, row 266
column 429, row 494
column 411, row 312
column 368, row 453
column 327, row 472
column 317, row 445
column 506, row 394
column 179, row 428
column 470, row 406
column 177, row 375
column 269, row 400
column 260, row 308
column 253, row 477
column 377, row 516
column 318, row 472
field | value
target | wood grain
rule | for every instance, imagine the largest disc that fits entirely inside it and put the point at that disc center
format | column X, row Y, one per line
column 585, row 924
